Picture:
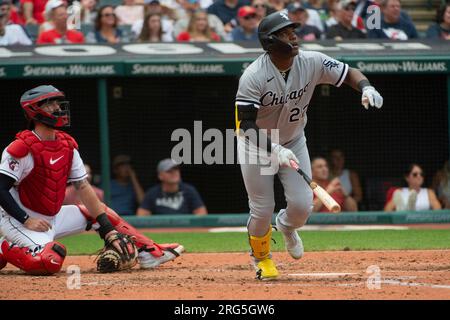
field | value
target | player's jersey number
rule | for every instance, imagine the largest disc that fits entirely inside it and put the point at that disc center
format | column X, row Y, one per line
column 296, row 115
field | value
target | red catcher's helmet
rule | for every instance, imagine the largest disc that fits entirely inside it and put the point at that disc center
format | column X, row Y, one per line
column 33, row 100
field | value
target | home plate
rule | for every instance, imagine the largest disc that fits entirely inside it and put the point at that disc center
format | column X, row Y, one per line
column 322, row 275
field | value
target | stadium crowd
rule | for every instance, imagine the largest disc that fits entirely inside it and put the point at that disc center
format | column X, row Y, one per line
column 171, row 195
column 26, row 22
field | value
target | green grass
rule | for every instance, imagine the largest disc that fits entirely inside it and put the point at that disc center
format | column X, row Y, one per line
column 313, row 241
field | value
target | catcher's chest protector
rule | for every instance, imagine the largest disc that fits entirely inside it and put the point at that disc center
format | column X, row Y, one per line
column 43, row 190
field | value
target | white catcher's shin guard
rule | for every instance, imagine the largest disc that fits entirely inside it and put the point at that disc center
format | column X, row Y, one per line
column 148, row 261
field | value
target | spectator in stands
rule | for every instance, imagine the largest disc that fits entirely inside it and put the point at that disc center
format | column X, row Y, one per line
column 248, row 27
column 106, row 30
column 171, row 196
column 150, row 7
column 48, row 23
column 11, row 34
column 33, row 11
column 126, row 191
column 441, row 29
column 345, row 11
column 71, row 194
column 198, row 29
column 189, row 7
column 441, row 184
column 413, row 197
column 261, row 9
column 129, row 12
column 277, row 5
column 60, row 34
column 320, row 174
column 321, row 7
column 10, row 11
column 334, row 13
column 349, row 179
column 227, row 10
column 299, row 14
column 88, row 11
column 152, row 30
column 362, row 7
column 394, row 25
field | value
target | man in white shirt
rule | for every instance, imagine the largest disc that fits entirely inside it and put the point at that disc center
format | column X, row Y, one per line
column 12, row 34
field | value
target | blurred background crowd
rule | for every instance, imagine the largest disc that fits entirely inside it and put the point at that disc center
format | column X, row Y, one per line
column 26, row 22
column 171, row 195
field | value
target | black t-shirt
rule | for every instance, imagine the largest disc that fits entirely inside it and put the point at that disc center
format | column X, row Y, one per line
column 186, row 200
column 338, row 30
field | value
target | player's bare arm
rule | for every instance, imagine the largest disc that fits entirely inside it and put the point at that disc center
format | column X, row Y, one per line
column 96, row 210
column 88, row 197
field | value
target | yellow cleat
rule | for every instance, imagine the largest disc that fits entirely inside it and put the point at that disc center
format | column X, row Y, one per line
column 266, row 270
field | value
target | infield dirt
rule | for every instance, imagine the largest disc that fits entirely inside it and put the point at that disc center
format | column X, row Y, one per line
column 318, row 275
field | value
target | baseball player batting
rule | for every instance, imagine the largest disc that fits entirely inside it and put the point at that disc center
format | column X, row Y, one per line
column 34, row 171
column 274, row 93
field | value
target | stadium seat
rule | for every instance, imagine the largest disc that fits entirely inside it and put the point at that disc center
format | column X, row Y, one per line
column 32, row 31
column 86, row 28
column 126, row 32
column 113, row 3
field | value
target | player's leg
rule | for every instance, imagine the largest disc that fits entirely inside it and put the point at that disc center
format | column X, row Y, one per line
column 151, row 254
column 33, row 252
column 261, row 202
column 299, row 198
column 3, row 261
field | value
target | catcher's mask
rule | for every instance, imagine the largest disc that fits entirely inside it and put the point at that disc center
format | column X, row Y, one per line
column 268, row 28
column 35, row 101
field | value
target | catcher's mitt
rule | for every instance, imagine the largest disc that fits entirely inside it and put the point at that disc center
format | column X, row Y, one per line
column 110, row 259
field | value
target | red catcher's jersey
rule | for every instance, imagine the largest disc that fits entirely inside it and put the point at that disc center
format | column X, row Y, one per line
column 43, row 190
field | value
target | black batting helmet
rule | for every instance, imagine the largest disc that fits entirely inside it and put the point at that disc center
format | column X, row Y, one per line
column 271, row 24
column 33, row 100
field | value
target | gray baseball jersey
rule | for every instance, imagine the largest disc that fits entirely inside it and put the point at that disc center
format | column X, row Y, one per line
column 283, row 104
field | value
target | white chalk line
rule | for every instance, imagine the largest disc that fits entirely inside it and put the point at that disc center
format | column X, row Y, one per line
column 322, row 274
column 320, row 228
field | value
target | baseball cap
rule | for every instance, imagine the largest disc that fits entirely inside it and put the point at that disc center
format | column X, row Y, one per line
column 121, row 159
column 245, row 11
column 166, row 165
column 53, row 4
column 294, row 7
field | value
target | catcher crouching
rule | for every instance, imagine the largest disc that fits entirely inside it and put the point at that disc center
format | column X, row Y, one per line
column 34, row 171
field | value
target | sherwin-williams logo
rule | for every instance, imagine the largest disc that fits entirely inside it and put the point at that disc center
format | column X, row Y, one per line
column 404, row 66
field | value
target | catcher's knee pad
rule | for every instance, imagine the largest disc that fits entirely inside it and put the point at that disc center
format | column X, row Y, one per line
column 3, row 261
column 41, row 261
column 261, row 245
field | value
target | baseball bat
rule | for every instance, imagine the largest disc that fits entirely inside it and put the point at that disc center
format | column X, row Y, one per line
column 365, row 103
column 320, row 193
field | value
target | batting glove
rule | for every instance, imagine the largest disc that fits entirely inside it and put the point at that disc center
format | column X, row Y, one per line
column 284, row 155
column 371, row 97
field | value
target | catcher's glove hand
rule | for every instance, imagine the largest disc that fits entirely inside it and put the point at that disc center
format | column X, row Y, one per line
column 111, row 259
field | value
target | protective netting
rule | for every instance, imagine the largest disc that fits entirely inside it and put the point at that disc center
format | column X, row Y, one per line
column 412, row 126
column 82, row 94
